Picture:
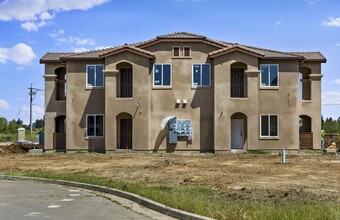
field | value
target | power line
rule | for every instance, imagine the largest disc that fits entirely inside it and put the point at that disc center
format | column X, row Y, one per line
column 32, row 93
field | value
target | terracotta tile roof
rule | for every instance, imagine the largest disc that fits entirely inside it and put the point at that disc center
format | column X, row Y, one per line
column 223, row 48
column 311, row 56
column 181, row 35
column 233, row 48
column 53, row 57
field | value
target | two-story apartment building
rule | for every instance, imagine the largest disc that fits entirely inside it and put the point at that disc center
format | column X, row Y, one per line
column 182, row 92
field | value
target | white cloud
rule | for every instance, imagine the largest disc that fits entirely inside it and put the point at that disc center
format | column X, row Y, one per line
column 80, row 49
column 81, row 41
column 332, row 22
column 4, row 104
column 336, row 81
column 21, row 54
column 34, row 14
column 337, row 44
column 20, row 68
column 102, row 47
column 310, row 2
column 330, row 97
column 57, row 33
column 278, row 22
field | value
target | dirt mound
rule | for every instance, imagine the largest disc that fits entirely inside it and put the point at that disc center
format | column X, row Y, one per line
column 16, row 149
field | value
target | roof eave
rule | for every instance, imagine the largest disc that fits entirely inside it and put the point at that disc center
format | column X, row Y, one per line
column 127, row 49
column 235, row 49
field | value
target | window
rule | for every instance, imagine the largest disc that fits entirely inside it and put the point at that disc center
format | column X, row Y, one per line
column 269, row 125
column 201, row 74
column 162, row 75
column 94, row 125
column 94, row 76
column 175, row 51
column 269, row 75
column 186, row 51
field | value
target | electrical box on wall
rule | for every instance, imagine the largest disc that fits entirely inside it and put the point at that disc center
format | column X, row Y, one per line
column 179, row 128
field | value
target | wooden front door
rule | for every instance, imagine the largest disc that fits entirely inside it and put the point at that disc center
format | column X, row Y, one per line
column 125, row 133
column 126, row 82
column 237, row 82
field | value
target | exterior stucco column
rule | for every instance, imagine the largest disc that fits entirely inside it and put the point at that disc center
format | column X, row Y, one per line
column 253, row 118
column 110, row 118
column 49, row 116
column 316, row 116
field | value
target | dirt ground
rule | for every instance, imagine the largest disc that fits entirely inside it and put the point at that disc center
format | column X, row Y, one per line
column 248, row 176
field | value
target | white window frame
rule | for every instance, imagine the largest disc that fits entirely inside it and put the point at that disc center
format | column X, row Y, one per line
column 95, row 76
column 183, row 53
column 173, row 51
column 278, row 76
column 278, row 126
column 192, row 75
column 95, row 124
column 153, row 74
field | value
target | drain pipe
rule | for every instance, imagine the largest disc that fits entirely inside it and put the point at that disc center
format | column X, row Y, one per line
column 283, row 154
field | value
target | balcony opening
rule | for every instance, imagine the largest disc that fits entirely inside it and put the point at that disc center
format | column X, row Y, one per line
column 60, row 84
column 238, row 80
column 124, row 80
column 305, row 83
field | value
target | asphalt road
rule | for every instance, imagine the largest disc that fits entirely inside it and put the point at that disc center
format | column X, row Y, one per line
column 28, row 200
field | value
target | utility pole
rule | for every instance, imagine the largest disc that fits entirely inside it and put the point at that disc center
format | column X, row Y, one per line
column 32, row 93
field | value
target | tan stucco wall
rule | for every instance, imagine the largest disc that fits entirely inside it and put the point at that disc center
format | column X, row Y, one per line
column 210, row 109
column 200, row 101
column 137, row 106
column 81, row 101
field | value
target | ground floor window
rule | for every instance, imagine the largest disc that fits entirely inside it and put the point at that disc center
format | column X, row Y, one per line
column 95, row 125
column 269, row 125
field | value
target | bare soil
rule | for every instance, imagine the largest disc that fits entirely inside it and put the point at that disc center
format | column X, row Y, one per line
column 239, row 176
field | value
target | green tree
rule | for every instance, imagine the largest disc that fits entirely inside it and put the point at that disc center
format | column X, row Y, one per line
column 39, row 123
column 3, row 125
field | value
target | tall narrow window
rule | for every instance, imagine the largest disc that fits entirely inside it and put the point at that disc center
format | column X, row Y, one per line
column 269, row 125
column 162, row 75
column 186, row 51
column 94, row 75
column 269, row 75
column 175, row 51
column 201, row 75
column 95, row 125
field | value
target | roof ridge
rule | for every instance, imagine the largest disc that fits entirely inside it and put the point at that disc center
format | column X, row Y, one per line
column 180, row 33
column 94, row 51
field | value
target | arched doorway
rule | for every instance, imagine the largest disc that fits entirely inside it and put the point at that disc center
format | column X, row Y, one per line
column 59, row 136
column 238, row 80
column 124, row 80
column 238, row 131
column 124, row 131
column 305, row 132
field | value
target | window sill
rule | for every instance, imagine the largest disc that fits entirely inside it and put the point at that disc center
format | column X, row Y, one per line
column 95, row 87
column 124, row 98
column 161, row 87
column 181, row 57
column 270, row 138
column 94, row 137
column 306, row 101
column 201, row 87
column 269, row 87
column 239, row 98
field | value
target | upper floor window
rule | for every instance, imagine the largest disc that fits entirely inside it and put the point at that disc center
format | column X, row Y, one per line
column 186, row 51
column 269, row 125
column 201, row 74
column 162, row 75
column 175, row 51
column 94, row 125
column 269, row 75
column 94, row 76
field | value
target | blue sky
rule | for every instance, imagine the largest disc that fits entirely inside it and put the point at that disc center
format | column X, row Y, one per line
column 30, row 28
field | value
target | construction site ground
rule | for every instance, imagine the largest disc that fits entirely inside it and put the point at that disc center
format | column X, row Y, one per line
column 245, row 176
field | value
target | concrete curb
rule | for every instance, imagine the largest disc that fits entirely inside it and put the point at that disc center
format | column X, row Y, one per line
column 176, row 213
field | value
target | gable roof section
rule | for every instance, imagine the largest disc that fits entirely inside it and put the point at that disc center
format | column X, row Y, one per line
column 233, row 48
column 223, row 48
